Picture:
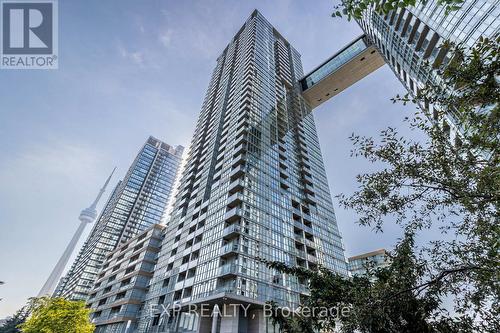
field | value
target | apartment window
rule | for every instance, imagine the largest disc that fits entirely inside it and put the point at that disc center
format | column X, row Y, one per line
column 181, row 277
column 137, row 247
column 165, row 282
column 112, row 278
column 191, row 273
column 115, row 310
column 102, row 302
column 195, row 255
column 125, row 282
column 130, row 269
column 106, row 290
column 188, row 292
column 120, row 295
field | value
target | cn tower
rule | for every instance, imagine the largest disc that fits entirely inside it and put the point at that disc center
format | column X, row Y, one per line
column 87, row 216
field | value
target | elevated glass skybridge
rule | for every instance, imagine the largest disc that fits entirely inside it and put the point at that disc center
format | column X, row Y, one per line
column 343, row 69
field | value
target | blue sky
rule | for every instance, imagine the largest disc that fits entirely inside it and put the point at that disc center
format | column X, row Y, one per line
column 130, row 69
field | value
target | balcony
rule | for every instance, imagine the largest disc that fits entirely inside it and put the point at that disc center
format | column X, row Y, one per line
column 232, row 230
column 312, row 258
column 303, row 289
column 235, row 200
column 239, row 159
column 241, row 138
column 229, row 249
column 239, row 148
column 306, row 217
column 308, row 189
column 236, row 186
column 310, row 243
column 307, row 179
column 310, row 199
column 233, row 215
column 307, row 229
column 237, row 172
column 240, row 134
column 228, row 269
column 300, row 253
column 298, row 225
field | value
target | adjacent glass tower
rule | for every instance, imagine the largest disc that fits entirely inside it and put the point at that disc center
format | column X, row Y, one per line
column 410, row 38
column 137, row 203
column 254, row 187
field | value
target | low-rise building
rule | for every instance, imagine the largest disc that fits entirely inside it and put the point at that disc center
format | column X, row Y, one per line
column 123, row 281
column 359, row 265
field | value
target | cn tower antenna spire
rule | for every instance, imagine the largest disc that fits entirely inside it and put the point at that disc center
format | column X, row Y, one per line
column 103, row 189
column 87, row 216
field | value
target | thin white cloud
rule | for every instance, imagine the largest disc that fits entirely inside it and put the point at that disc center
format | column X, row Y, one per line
column 65, row 161
column 165, row 37
column 137, row 57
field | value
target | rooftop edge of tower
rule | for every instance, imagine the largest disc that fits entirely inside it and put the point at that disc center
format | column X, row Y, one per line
column 257, row 13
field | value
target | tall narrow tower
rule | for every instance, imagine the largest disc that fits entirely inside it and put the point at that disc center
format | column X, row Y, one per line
column 137, row 202
column 254, row 187
column 87, row 216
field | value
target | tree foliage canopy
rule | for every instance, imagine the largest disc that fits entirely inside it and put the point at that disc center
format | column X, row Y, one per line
column 58, row 315
column 448, row 184
column 353, row 9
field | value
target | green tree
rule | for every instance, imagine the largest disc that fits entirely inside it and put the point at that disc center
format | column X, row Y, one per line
column 387, row 300
column 58, row 315
column 353, row 9
column 450, row 187
column 11, row 324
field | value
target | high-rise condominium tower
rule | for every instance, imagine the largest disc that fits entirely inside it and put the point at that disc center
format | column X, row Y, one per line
column 137, row 202
column 411, row 41
column 409, row 38
column 254, row 187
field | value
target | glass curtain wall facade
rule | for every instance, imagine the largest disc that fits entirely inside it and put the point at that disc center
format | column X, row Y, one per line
column 137, row 203
column 121, row 285
column 254, row 187
column 410, row 38
column 360, row 264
